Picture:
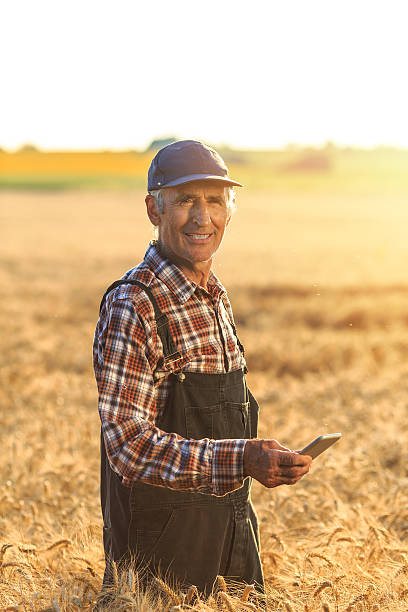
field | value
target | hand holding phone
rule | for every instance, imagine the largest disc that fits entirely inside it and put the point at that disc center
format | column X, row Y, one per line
column 272, row 464
column 320, row 444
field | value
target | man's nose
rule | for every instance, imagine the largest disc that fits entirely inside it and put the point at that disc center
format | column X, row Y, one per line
column 200, row 213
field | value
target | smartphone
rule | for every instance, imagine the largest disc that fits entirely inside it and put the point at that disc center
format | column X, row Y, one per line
column 320, row 444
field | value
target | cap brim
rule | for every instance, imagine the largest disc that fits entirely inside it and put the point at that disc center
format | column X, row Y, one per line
column 201, row 177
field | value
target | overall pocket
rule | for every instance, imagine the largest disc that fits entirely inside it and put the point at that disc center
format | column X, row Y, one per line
column 221, row 421
column 146, row 530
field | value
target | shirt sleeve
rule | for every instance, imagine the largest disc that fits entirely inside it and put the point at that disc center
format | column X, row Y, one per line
column 136, row 449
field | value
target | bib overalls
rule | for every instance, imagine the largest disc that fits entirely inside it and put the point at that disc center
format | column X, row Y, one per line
column 185, row 535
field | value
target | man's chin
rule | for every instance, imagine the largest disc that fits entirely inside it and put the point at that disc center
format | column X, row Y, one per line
column 200, row 253
column 199, row 258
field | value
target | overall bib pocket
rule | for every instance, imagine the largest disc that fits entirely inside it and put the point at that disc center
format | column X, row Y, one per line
column 219, row 422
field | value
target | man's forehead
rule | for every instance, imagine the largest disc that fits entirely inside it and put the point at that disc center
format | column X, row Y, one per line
column 196, row 187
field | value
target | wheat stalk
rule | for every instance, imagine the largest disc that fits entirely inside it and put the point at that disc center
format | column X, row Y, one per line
column 225, row 599
column 191, row 593
column 15, row 564
column 28, row 550
column 3, row 552
column 339, row 578
column 279, row 540
column 319, row 556
column 325, row 585
column 356, row 600
column 333, row 534
column 346, row 539
column 88, row 585
column 402, row 570
column 169, row 591
column 249, row 588
column 57, row 544
column 220, row 584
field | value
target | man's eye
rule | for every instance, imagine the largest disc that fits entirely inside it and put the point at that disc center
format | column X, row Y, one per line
column 186, row 201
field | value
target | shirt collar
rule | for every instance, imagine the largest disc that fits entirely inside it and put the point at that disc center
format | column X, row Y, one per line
column 182, row 287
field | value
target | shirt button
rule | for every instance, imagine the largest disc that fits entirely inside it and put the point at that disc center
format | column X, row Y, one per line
column 181, row 376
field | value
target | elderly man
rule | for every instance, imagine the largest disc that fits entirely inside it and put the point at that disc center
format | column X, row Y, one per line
column 179, row 424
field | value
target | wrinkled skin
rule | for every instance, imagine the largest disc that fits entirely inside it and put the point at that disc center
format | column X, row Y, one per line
column 191, row 210
column 272, row 464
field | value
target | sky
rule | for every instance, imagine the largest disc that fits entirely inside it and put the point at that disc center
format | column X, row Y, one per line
column 115, row 74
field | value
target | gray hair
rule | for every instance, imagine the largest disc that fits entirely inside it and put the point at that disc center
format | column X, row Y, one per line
column 229, row 192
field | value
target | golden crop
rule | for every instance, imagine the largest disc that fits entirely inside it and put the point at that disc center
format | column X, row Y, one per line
column 318, row 286
column 73, row 162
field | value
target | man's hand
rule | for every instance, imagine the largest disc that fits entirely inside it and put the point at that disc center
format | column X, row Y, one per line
column 272, row 464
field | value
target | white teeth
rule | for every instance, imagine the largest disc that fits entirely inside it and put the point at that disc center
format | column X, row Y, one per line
column 199, row 236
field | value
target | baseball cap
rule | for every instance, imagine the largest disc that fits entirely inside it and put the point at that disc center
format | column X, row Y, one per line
column 185, row 161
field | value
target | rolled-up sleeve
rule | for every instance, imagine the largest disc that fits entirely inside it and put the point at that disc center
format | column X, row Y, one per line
column 125, row 357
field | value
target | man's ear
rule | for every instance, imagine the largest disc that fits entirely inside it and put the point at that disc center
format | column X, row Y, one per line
column 152, row 210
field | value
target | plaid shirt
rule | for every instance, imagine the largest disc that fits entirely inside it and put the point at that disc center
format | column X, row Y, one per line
column 133, row 378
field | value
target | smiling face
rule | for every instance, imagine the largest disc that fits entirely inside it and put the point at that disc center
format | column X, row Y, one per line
column 192, row 225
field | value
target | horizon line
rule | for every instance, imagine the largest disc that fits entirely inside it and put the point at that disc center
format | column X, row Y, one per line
column 294, row 146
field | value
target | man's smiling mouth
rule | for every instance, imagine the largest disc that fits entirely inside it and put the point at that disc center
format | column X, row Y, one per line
column 198, row 236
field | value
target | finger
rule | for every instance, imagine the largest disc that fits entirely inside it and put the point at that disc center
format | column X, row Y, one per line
column 286, row 458
column 302, row 455
column 293, row 478
column 293, row 472
column 282, row 480
column 293, row 459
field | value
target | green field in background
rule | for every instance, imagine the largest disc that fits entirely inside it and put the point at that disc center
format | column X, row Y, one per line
column 327, row 169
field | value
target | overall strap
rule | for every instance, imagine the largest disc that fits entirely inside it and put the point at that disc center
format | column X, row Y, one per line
column 162, row 322
column 240, row 345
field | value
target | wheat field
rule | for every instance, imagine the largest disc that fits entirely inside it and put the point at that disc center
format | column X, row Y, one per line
column 317, row 281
